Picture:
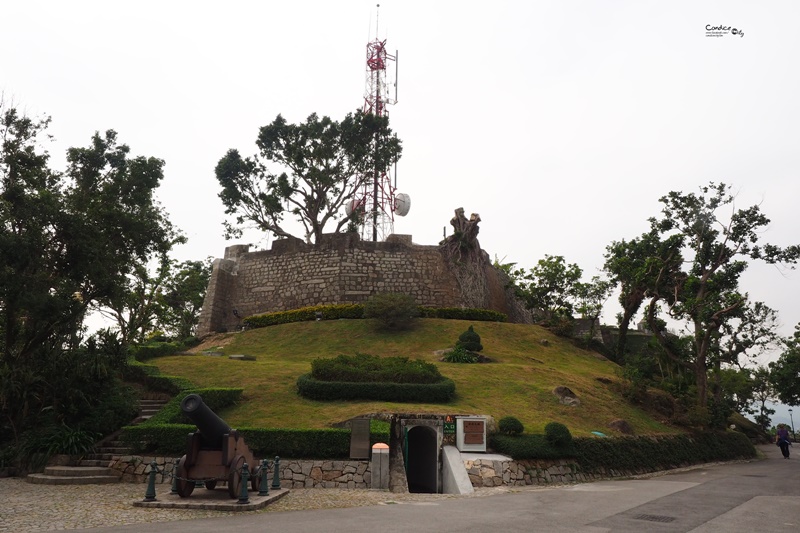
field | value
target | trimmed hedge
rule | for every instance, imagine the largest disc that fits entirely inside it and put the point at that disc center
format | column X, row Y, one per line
column 662, row 452
column 151, row 378
column 528, row 446
column 459, row 313
column 138, row 372
column 335, row 312
column 170, row 439
column 631, row 454
column 216, row 398
column 371, row 368
column 329, row 312
column 313, row 389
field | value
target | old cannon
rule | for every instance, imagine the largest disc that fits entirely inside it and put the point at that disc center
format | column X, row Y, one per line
column 215, row 452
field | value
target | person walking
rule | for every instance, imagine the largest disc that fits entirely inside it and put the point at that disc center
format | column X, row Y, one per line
column 782, row 440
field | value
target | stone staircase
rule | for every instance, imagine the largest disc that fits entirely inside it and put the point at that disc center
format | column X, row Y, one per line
column 93, row 468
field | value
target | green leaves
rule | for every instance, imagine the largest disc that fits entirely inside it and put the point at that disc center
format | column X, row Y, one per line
column 69, row 240
column 309, row 170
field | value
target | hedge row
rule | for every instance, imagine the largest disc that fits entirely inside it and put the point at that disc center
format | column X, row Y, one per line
column 334, row 312
column 216, row 398
column 143, row 352
column 528, row 446
column 313, row 389
column 150, row 377
column 662, row 452
column 327, row 312
column 170, row 439
column 371, row 368
column 631, row 454
column 459, row 313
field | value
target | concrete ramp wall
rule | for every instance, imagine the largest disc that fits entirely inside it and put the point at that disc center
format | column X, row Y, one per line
column 454, row 475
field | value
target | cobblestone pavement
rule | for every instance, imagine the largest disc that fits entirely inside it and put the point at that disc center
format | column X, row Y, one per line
column 28, row 507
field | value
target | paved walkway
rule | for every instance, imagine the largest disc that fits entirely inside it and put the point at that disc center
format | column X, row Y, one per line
column 27, row 507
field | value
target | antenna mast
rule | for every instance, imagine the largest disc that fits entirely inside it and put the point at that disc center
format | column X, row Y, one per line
column 377, row 200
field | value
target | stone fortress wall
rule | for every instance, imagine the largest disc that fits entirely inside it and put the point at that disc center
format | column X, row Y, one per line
column 339, row 270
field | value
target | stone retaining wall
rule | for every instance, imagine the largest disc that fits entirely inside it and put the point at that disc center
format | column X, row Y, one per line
column 487, row 473
column 294, row 474
column 341, row 269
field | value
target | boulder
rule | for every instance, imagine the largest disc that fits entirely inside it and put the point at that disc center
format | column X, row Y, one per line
column 566, row 396
column 622, row 426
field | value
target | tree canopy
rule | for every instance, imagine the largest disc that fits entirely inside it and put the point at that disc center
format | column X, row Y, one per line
column 308, row 171
column 688, row 269
column 68, row 239
column 785, row 372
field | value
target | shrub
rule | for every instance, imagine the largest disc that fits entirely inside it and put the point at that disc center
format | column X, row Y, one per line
column 393, row 311
column 460, row 355
column 264, row 442
column 510, row 425
column 526, row 447
column 304, row 314
column 143, row 352
column 371, row 368
column 461, row 313
column 469, row 340
column 71, row 441
column 563, row 326
column 216, row 398
column 112, row 411
column 558, row 435
column 313, row 389
column 648, row 454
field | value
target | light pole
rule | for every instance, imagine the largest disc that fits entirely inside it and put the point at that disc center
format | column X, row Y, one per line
column 792, row 420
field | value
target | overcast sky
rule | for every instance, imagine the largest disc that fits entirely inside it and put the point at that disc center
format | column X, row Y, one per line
column 561, row 123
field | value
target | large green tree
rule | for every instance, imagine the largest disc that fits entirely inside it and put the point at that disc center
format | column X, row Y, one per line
column 550, row 287
column 68, row 239
column 182, row 297
column 785, row 372
column 717, row 242
column 308, row 171
column 640, row 266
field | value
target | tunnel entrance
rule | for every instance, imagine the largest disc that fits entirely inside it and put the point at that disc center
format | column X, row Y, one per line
column 422, row 459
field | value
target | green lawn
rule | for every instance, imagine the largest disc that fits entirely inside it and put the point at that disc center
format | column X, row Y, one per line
column 519, row 383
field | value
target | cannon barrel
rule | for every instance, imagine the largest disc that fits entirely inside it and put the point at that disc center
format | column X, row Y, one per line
column 210, row 426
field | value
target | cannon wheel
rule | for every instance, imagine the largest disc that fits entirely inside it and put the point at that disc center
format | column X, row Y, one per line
column 255, row 478
column 235, row 477
column 211, row 484
column 185, row 487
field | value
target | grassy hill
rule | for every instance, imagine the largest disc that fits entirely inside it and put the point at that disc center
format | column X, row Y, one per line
column 519, row 383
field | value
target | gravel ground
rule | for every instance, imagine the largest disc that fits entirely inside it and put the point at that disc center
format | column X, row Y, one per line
column 28, row 507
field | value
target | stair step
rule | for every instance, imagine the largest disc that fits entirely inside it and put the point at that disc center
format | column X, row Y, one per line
column 100, row 456
column 77, row 471
column 112, row 450
column 93, row 462
column 44, row 479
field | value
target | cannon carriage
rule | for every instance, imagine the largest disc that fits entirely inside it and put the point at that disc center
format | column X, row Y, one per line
column 214, row 452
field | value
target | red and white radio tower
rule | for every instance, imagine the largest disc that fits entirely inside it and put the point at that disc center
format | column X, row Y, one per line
column 378, row 199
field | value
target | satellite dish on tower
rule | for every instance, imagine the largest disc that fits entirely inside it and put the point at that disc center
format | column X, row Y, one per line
column 356, row 204
column 402, row 204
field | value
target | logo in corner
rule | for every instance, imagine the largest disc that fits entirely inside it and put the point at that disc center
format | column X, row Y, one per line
column 722, row 31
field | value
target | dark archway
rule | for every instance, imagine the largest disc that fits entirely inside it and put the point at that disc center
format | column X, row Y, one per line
column 422, row 464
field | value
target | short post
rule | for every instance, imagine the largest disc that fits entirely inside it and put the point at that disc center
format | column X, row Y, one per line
column 243, row 498
column 380, row 466
column 263, row 488
column 175, row 465
column 276, row 476
column 150, row 493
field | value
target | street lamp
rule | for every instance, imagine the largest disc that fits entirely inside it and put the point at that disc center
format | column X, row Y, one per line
column 792, row 420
